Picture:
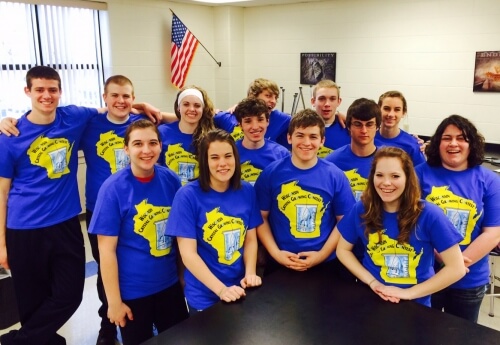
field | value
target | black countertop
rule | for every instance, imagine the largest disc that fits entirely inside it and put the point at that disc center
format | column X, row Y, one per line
column 311, row 308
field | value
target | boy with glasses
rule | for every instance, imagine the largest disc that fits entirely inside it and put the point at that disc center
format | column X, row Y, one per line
column 355, row 159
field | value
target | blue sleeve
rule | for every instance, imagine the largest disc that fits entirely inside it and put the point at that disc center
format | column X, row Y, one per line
column 263, row 190
column 6, row 160
column 255, row 216
column 106, row 219
column 491, row 200
column 84, row 114
column 343, row 198
column 418, row 157
column 182, row 218
column 282, row 139
column 348, row 227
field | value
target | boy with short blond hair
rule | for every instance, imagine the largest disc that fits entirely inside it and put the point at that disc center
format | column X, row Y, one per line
column 325, row 100
column 103, row 147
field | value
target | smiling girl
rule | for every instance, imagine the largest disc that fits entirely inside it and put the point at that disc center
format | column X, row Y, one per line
column 398, row 231
column 214, row 219
column 138, row 261
column 195, row 111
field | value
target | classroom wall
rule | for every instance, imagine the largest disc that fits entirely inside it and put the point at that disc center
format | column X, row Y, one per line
column 426, row 49
column 139, row 38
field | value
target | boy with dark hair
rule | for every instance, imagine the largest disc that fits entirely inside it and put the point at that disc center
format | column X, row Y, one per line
column 301, row 199
column 39, row 207
column 355, row 159
column 40, row 235
column 255, row 151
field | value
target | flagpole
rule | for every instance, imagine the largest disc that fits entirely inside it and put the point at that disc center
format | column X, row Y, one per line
column 217, row 62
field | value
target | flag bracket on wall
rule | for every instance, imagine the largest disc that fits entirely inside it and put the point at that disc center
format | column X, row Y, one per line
column 182, row 49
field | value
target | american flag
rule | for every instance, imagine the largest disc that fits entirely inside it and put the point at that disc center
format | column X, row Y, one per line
column 182, row 51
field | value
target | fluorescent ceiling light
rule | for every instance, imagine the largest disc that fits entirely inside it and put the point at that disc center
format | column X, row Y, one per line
column 220, row 1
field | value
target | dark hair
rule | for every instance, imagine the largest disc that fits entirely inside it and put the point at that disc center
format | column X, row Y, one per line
column 42, row 72
column 206, row 140
column 471, row 135
column 250, row 107
column 363, row 109
column 119, row 80
column 206, row 121
column 393, row 94
column 307, row 118
column 410, row 205
column 140, row 124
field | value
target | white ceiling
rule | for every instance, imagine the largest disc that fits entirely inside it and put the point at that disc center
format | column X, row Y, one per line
column 245, row 3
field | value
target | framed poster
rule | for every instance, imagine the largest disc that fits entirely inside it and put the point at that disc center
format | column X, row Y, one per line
column 487, row 72
column 317, row 66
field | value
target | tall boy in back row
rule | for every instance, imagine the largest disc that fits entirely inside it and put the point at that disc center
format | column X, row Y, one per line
column 325, row 100
column 301, row 199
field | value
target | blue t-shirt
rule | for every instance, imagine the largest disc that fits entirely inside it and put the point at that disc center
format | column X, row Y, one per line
column 357, row 169
column 254, row 161
column 471, row 201
column 303, row 204
column 407, row 264
column 103, row 146
column 218, row 222
column 178, row 153
column 335, row 137
column 405, row 142
column 227, row 121
column 42, row 163
column 137, row 212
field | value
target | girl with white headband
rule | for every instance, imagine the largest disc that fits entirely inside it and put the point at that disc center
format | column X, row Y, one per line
column 180, row 139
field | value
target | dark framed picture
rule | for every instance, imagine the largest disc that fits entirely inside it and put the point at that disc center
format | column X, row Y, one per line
column 317, row 66
column 487, row 72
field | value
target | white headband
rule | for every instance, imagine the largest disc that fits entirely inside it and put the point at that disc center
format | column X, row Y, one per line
column 191, row 92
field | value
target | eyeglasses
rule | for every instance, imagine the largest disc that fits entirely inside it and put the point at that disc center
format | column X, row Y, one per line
column 368, row 125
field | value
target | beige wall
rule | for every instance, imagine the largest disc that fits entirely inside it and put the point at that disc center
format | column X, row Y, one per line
column 425, row 49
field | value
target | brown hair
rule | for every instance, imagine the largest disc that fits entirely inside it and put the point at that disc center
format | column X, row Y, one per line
column 307, row 118
column 42, row 72
column 140, row 124
column 250, row 107
column 363, row 109
column 471, row 135
column 206, row 140
column 393, row 94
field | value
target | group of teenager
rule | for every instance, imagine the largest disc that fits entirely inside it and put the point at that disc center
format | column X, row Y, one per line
column 195, row 210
